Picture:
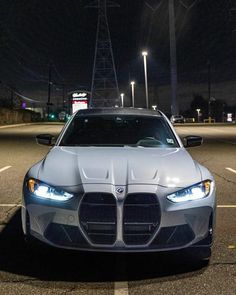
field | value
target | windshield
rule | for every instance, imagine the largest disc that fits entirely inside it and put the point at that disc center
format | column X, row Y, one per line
column 116, row 130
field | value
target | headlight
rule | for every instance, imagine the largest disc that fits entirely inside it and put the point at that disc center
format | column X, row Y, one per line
column 44, row 191
column 195, row 192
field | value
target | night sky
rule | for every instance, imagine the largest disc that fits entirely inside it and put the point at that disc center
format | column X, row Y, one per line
column 33, row 32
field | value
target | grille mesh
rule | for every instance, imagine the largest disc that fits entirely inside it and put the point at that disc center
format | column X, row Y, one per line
column 141, row 218
column 97, row 217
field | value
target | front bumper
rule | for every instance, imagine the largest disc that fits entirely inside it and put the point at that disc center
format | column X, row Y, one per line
column 178, row 226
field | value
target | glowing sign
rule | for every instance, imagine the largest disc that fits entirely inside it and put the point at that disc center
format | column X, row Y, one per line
column 229, row 117
column 79, row 95
column 79, row 100
column 79, row 105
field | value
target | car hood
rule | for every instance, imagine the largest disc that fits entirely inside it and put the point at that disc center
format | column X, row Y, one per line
column 71, row 166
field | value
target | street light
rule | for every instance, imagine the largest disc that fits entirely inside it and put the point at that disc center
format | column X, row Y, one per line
column 145, row 54
column 132, row 88
column 122, row 99
column 198, row 114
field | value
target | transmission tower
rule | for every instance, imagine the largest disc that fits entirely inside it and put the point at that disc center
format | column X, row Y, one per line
column 104, row 89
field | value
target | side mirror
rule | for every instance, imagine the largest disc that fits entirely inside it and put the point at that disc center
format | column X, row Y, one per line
column 191, row 141
column 45, row 139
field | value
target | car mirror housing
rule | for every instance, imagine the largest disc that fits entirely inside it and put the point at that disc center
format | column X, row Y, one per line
column 192, row 141
column 45, row 139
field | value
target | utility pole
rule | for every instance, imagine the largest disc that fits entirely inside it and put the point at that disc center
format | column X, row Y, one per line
column 173, row 59
column 209, row 87
column 12, row 98
column 63, row 95
column 173, row 62
column 49, row 88
column 233, row 15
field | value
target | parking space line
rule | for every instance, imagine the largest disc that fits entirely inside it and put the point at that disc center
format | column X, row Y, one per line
column 10, row 205
column 231, row 170
column 5, row 168
column 16, row 125
column 121, row 288
column 226, row 206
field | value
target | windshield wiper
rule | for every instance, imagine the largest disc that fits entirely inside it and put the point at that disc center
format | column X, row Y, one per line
column 149, row 142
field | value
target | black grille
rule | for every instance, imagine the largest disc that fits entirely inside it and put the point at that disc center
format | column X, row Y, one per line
column 141, row 218
column 97, row 217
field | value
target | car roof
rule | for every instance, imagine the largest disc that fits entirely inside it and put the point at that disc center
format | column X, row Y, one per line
column 119, row 111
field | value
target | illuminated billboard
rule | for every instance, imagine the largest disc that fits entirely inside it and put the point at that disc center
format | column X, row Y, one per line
column 80, row 101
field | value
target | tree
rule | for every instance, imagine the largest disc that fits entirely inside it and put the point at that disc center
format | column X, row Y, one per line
column 217, row 109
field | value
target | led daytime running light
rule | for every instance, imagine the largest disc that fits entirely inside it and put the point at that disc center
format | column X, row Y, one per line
column 44, row 191
column 195, row 192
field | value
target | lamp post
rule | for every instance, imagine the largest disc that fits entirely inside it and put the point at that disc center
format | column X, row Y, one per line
column 198, row 114
column 132, row 89
column 145, row 54
column 49, row 88
column 209, row 88
column 122, row 99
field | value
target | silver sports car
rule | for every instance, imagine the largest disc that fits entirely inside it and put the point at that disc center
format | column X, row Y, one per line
column 119, row 180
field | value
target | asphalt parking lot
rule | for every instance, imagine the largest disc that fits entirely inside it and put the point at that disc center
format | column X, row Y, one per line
column 44, row 270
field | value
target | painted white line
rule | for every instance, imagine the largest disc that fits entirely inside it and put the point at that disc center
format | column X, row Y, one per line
column 226, row 206
column 231, row 170
column 5, row 168
column 16, row 125
column 10, row 205
column 121, row 288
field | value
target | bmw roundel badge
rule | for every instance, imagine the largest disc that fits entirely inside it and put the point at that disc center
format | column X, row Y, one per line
column 120, row 190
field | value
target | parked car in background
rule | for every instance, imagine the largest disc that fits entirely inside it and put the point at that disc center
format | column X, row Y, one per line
column 177, row 119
